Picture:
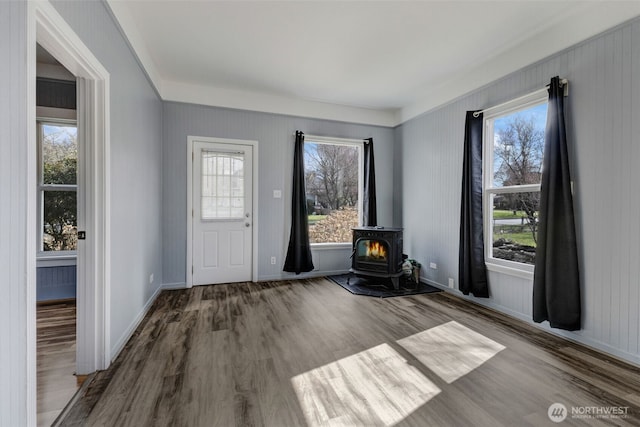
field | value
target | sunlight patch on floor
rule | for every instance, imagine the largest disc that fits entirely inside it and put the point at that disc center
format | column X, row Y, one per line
column 376, row 387
column 451, row 350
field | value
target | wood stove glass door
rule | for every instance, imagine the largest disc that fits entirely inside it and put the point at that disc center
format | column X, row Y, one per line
column 372, row 250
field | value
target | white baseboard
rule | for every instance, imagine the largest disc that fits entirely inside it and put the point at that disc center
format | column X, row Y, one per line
column 293, row 276
column 568, row 335
column 434, row 283
column 177, row 285
column 269, row 278
column 115, row 351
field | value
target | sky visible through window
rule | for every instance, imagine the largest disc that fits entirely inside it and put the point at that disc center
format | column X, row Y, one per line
column 310, row 150
column 65, row 133
column 538, row 114
column 518, row 151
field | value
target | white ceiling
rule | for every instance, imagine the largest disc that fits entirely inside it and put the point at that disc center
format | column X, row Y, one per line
column 379, row 62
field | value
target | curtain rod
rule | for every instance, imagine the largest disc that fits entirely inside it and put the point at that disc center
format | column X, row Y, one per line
column 563, row 82
column 320, row 138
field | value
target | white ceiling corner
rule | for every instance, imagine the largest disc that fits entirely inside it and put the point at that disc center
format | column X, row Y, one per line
column 378, row 63
column 584, row 20
column 128, row 24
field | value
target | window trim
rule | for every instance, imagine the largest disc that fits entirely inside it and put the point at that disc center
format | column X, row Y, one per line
column 359, row 143
column 512, row 268
column 48, row 257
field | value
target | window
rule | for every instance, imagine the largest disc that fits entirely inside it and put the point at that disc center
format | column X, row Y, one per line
column 57, row 186
column 333, row 180
column 514, row 146
column 222, row 185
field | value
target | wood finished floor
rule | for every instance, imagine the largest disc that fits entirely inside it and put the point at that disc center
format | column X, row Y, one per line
column 307, row 352
column 56, row 352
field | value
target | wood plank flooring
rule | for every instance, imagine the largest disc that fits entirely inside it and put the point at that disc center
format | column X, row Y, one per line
column 307, row 352
column 56, row 353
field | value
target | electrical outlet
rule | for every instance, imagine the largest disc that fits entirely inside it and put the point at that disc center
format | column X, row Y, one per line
column 151, row 278
column 273, row 260
column 433, row 265
column 451, row 283
column 277, row 194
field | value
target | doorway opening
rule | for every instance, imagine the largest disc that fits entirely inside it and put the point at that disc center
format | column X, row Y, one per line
column 86, row 234
column 57, row 235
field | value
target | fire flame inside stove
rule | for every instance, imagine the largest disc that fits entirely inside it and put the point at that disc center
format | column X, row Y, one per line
column 376, row 250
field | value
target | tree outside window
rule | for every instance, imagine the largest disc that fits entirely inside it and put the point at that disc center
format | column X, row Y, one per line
column 332, row 180
column 58, row 186
column 517, row 140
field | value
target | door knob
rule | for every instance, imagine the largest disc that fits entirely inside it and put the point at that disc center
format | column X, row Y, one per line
column 246, row 224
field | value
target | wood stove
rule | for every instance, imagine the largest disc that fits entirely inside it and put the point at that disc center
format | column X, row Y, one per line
column 377, row 252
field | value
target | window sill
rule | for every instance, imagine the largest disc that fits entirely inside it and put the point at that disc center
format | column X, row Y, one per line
column 329, row 246
column 47, row 260
column 511, row 271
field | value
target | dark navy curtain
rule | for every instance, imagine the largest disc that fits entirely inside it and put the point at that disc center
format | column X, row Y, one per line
column 370, row 215
column 472, row 271
column 299, row 252
column 556, row 284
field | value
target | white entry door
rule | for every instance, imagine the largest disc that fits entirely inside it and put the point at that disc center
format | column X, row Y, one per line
column 222, row 196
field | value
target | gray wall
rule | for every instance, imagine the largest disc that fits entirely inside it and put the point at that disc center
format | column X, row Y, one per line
column 602, row 112
column 274, row 134
column 14, row 323
column 55, row 283
column 136, row 165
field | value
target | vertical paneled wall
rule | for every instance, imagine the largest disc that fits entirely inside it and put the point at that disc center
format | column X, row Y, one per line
column 275, row 135
column 55, row 283
column 602, row 115
column 14, row 322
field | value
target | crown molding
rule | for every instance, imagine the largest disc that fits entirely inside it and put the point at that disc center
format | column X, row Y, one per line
column 276, row 104
column 584, row 21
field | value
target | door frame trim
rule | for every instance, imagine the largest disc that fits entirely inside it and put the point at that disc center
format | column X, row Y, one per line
column 49, row 29
column 191, row 140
